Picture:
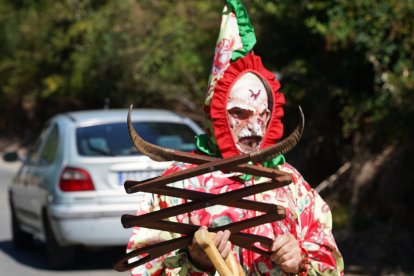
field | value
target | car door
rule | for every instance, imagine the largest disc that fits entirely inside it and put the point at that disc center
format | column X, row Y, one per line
column 20, row 187
column 44, row 174
column 28, row 190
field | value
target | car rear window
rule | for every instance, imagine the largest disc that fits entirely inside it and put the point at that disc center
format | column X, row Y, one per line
column 113, row 139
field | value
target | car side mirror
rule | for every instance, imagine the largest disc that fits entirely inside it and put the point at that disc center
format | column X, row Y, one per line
column 11, row 156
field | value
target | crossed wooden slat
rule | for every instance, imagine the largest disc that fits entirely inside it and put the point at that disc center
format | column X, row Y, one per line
column 199, row 200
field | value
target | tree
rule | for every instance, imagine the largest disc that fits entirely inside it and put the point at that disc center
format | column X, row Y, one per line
column 383, row 31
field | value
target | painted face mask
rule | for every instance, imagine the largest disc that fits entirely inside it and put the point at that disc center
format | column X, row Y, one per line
column 248, row 112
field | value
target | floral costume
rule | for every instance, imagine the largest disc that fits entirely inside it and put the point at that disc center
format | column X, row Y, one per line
column 308, row 217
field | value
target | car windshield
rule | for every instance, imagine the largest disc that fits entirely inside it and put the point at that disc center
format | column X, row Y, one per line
column 113, row 139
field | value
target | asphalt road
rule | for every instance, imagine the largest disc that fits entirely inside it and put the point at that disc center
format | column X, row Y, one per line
column 32, row 261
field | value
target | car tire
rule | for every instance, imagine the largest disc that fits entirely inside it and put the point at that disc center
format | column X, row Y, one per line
column 58, row 257
column 20, row 238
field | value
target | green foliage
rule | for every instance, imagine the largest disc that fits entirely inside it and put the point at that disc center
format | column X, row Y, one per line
column 348, row 60
column 341, row 217
column 79, row 53
column 172, row 56
column 383, row 31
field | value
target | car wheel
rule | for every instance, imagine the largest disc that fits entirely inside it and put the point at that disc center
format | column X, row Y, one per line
column 20, row 238
column 58, row 257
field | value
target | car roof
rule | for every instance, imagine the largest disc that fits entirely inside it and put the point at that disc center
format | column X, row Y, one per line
column 113, row 115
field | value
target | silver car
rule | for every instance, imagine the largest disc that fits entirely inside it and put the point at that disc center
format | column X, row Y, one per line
column 69, row 191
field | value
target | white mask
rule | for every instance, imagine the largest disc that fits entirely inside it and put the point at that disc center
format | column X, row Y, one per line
column 248, row 112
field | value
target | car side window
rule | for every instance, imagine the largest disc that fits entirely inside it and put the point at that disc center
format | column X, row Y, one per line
column 48, row 154
column 35, row 151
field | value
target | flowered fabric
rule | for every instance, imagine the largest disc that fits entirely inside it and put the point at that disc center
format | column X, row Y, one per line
column 236, row 39
column 308, row 218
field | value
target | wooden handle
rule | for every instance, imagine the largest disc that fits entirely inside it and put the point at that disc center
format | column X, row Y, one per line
column 234, row 266
column 229, row 267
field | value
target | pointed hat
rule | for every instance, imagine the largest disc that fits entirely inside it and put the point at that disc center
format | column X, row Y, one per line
column 234, row 57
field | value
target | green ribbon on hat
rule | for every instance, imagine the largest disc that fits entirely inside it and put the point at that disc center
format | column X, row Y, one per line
column 246, row 30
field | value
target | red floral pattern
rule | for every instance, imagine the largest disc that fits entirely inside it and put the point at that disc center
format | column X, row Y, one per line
column 307, row 217
column 222, row 56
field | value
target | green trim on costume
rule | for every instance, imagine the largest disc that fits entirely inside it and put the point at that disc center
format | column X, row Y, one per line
column 246, row 30
column 204, row 144
column 278, row 160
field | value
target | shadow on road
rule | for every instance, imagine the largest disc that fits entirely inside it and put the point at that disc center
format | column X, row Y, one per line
column 87, row 259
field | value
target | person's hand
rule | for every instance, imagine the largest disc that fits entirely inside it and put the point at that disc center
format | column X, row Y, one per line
column 287, row 253
column 199, row 257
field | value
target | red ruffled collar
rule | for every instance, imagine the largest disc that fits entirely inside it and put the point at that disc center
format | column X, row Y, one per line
column 218, row 113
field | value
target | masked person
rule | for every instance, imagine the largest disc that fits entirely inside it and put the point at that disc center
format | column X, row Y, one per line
column 244, row 111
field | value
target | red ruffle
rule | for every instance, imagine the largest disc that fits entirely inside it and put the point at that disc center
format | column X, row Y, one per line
column 218, row 113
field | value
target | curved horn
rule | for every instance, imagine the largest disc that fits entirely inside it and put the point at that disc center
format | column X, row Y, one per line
column 154, row 152
column 283, row 146
column 158, row 153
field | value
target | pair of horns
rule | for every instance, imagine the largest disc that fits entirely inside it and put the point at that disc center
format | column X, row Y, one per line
column 158, row 153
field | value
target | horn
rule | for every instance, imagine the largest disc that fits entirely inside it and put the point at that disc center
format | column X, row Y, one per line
column 154, row 152
column 158, row 153
column 283, row 146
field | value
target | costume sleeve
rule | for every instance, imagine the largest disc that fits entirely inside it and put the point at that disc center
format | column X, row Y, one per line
column 314, row 231
column 174, row 263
